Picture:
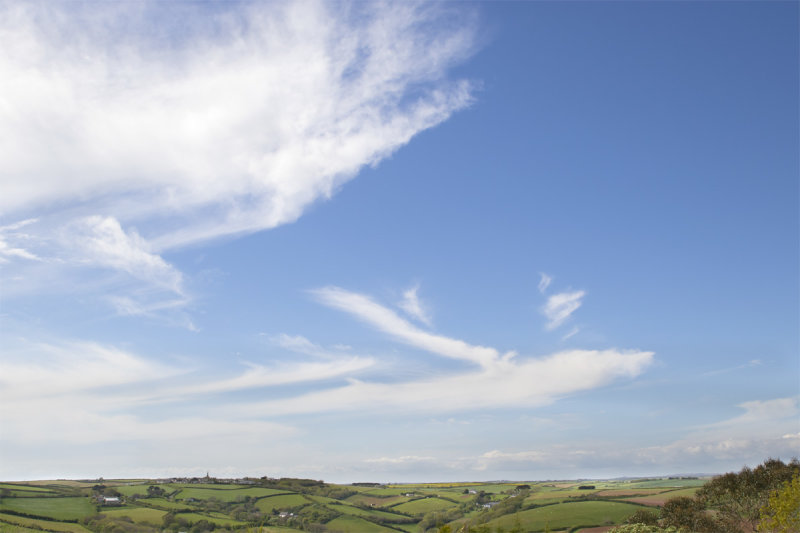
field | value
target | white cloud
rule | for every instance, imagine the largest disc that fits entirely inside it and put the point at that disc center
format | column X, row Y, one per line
column 571, row 333
column 258, row 376
column 560, row 306
column 764, row 411
column 750, row 364
column 531, row 383
column 413, row 307
column 301, row 345
column 167, row 311
column 767, row 428
column 90, row 393
column 403, row 460
column 251, row 114
column 10, row 238
column 102, row 242
column 386, row 320
column 34, row 370
column 757, row 433
column 544, row 282
column 501, row 382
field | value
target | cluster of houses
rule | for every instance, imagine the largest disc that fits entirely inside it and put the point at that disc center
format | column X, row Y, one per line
column 208, row 480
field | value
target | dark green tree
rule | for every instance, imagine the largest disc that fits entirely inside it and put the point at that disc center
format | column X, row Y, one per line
column 643, row 516
column 687, row 513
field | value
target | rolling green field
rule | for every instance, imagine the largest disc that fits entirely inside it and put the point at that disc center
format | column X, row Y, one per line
column 423, row 505
column 374, row 501
column 57, row 508
column 286, row 501
column 72, row 507
column 668, row 483
column 226, row 495
column 354, row 524
column 358, row 511
column 162, row 503
column 21, row 523
column 565, row 515
column 138, row 514
column 218, row 520
column 25, row 488
column 391, row 491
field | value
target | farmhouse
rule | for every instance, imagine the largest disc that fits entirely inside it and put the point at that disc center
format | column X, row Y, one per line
column 110, row 501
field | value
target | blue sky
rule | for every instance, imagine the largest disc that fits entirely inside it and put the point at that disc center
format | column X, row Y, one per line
column 398, row 242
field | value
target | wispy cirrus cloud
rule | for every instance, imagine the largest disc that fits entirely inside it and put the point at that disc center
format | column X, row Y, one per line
column 559, row 307
column 499, row 382
column 544, row 282
column 89, row 392
column 413, row 307
column 12, row 242
column 45, row 369
column 300, row 344
column 101, row 242
column 532, row 383
column 750, row 364
column 386, row 320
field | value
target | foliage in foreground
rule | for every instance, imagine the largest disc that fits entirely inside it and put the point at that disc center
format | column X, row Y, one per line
column 737, row 502
column 781, row 514
column 644, row 528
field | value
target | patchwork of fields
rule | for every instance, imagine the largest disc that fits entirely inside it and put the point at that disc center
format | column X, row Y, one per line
column 269, row 505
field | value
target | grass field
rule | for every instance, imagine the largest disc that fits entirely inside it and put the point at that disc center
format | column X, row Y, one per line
column 395, row 491
column 130, row 490
column 627, row 493
column 363, row 499
column 494, row 488
column 669, row 483
column 422, row 506
column 285, row 501
column 358, row 511
column 8, row 528
column 20, row 487
column 565, row 515
column 138, row 514
column 164, row 504
column 354, row 524
column 661, row 498
column 21, row 523
column 211, row 517
column 61, row 483
column 58, row 508
column 226, row 495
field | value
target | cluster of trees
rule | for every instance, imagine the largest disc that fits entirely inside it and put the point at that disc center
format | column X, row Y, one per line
column 154, row 491
column 765, row 498
column 175, row 522
column 102, row 490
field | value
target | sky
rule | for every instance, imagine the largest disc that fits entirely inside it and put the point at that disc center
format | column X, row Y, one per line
column 398, row 242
